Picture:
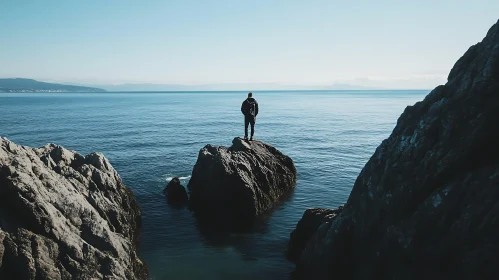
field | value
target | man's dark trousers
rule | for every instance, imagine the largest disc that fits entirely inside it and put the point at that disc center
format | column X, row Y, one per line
column 249, row 120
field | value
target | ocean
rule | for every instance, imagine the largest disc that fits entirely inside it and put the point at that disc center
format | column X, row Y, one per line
column 151, row 137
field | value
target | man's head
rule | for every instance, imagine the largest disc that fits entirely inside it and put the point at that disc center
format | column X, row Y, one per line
column 250, row 95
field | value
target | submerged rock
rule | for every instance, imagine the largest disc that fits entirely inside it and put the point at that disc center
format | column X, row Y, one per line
column 175, row 192
column 65, row 216
column 425, row 206
column 240, row 182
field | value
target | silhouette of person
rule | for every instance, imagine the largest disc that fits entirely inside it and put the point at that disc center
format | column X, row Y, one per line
column 249, row 108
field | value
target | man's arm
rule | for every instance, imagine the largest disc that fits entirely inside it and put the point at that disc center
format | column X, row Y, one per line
column 256, row 109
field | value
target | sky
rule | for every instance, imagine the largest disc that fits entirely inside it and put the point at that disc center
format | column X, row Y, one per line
column 389, row 44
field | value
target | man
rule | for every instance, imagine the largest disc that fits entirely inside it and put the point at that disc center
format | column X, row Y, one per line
column 249, row 108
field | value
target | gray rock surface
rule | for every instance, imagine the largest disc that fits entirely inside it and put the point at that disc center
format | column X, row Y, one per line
column 65, row 216
column 175, row 192
column 240, row 182
column 425, row 206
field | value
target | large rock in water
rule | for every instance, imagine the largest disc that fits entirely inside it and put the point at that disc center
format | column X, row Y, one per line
column 65, row 216
column 239, row 182
column 425, row 206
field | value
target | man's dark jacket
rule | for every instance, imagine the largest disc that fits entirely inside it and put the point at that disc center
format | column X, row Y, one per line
column 249, row 108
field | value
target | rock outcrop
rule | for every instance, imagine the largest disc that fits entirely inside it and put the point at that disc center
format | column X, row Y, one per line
column 240, row 182
column 65, row 216
column 175, row 192
column 425, row 206
column 306, row 227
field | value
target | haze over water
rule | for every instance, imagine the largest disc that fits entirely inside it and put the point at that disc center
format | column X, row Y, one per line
column 150, row 137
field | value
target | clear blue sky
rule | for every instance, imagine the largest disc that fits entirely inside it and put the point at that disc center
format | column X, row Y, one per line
column 389, row 43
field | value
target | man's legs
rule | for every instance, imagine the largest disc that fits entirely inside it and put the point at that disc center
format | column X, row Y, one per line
column 252, row 122
column 246, row 122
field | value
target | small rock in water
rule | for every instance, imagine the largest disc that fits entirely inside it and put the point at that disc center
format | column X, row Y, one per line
column 306, row 228
column 175, row 192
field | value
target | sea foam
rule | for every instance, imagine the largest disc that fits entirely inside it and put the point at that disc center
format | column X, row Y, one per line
column 181, row 178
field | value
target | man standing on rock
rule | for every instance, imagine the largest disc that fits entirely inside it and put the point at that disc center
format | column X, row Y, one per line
column 249, row 108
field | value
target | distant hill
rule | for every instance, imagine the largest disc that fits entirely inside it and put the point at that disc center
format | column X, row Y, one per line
column 29, row 85
column 227, row 87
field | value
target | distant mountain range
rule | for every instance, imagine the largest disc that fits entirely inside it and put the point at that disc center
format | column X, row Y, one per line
column 29, row 85
column 226, row 87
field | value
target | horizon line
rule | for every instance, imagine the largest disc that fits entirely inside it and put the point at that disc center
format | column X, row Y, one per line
column 201, row 91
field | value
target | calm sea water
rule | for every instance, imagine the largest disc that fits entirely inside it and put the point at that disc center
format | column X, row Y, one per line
column 150, row 137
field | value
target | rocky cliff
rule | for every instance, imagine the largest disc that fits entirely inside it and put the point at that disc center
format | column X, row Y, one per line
column 65, row 216
column 237, row 183
column 425, row 206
